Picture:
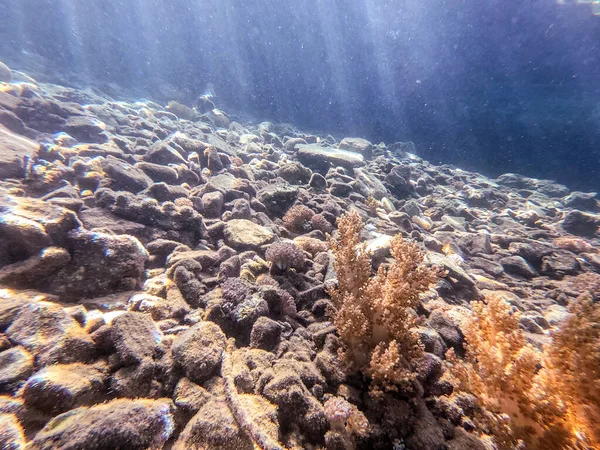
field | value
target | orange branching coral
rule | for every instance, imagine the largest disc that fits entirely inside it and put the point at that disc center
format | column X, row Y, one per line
column 540, row 400
column 574, row 357
column 374, row 314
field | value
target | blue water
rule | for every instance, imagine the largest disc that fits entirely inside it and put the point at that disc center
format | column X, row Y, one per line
column 495, row 86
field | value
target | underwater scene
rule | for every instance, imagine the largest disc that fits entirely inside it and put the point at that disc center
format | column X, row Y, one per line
column 319, row 224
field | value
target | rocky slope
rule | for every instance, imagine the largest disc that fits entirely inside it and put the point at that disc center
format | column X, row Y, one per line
column 151, row 297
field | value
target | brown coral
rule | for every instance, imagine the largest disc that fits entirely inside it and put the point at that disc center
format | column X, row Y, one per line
column 375, row 314
column 543, row 400
column 297, row 218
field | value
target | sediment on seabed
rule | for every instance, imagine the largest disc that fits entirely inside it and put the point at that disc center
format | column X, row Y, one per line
column 165, row 277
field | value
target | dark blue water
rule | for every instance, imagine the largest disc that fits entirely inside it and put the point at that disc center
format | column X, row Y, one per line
column 496, row 86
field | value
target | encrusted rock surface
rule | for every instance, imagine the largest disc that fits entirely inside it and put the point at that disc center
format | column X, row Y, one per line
column 164, row 275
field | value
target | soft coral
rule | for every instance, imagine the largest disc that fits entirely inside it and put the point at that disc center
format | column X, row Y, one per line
column 541, row 399
column 375, row 313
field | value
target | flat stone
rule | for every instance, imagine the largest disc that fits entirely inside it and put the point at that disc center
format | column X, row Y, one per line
column 242, row 234
column 319, row 157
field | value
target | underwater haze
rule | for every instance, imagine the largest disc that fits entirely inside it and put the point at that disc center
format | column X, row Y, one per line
column 495, row 86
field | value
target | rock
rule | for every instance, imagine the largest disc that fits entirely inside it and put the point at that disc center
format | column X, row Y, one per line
column 278, row 198
column 559, row 264
column 265, row 334
column 458, row 275
column 14, row 149
column 466, row 441
column 31, row 225
column 290, row 144
column 219, row 118
column 199, row 350
column 518, row 266
column 357, row 145
column 138, row 424
column 369, row 185
column 158, row 172
column 135, row 337
column 189, row 396
column 180, row 110
column 533, row 252
column 126, row 176
column 62, row 387
column 101, row 264
column 586, row 201
column 12, row 122
column 339, row 189
column 317, row 181
column 27, row 273
column 321, row 158
column 164, row 192
column 162, row 153
column 476, row 244
column 212, row 204
column 5, row 73
column 450, row 333
column 242, row 234
column 294, row 173
column 581, row 224
column 16, row 364
column 427, row 434
column 399, row 181
column 213, row 160
column 86, row 129
column 51, row 335
column 213, row 427
column 12, row 436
